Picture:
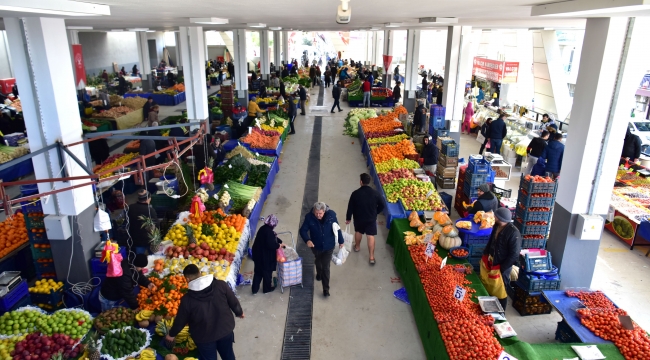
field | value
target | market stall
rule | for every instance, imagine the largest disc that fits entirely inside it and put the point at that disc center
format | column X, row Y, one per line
column 629, row 205
column 169, row 97
column 121, row 117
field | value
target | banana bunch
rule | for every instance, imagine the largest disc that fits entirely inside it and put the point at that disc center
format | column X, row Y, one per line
column 147, row 354
column 190, row 345
column 143, row 315
column 163, row 326
column 183, row 335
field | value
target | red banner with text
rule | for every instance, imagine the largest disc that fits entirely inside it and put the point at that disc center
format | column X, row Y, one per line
column 510, row 72
column 497, row 71
column 79, row 67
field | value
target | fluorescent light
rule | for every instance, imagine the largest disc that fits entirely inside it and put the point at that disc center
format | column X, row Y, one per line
column 59, row 7
column 151, row 30
column 117, row 30
column 138, row 29
column 275, row 28
column 256, row 25
column 439, row 20
column 79, row 27
column 589, row 7
column 392, row 25
column 209, row 21
column 535, row 28
column 549, row 28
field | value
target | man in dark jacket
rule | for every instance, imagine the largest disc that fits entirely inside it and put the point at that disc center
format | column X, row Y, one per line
column 148, row 146
column 292, row 111
column 336, row 94
column 207, row 309
column 302, row 92
column 498, row 131
column 147, row 107
column 397, row 92
column 504, row 246
column 285, row 72
column 116, row 289
column 317, row 232
column 631, row 146
column 364, row 205
column 430, row 153
column 439, row 96
column 486, row 200
column 419, row 116
column 553, row 154
column 139, row 235
column 485, row 131
column 231, row 70
column 535, row 150
column 180, row 133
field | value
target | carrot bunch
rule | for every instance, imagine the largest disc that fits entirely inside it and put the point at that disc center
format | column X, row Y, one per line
column 382, row 123
column 260, row 141
column 400, row 110
column 397, row 151
column 166, row 297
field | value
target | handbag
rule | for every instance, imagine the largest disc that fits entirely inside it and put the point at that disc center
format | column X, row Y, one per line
column 491, row 278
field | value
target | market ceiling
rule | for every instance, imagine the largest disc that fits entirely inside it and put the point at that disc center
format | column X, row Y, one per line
column 311, row 15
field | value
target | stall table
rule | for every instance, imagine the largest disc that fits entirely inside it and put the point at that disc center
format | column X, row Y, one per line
column 17, row 171
column 566, row 306
column 161, row 99
column 432, row 342
column 128, row 121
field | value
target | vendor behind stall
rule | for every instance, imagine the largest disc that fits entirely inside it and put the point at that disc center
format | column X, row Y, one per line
column 486, row 200
column 139, row 234
column 147, row 107
column 116, row 289
column 631, row 147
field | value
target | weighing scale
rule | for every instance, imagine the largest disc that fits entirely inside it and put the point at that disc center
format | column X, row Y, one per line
column 8, row 281
column 490, row 304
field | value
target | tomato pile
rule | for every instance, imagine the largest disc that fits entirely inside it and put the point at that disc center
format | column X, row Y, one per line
column 537, row 195
column 535, row 209
column 539, row 179
column 467, row 333
column 601, row 317
column 535, row 223
column 459, row 252
column 537, row 237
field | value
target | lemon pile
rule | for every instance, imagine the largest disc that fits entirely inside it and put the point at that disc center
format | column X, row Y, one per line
column 7, row 345
column 218, row 268
column 45, row 286
column 222, row 237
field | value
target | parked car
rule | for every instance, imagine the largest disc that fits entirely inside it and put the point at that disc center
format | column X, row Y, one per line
column 642, row 130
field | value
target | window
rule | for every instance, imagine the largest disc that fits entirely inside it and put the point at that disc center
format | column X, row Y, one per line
column 641, row 103
column 643, row 126
column 572, row 89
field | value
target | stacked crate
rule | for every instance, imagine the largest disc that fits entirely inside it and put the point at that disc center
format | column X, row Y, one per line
column 40, row 245
column 436, row 118
column 478, row 171
column 476, row 245
column 447, row 162
column 534, row 212
column 529, row 303
column 537, row 273
column 227, row 100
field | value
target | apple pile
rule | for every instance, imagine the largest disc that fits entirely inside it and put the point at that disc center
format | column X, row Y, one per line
column 395, row 174
column 199, row 251
column 40, row 347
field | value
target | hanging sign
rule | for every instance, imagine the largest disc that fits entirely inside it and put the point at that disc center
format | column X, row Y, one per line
column 79, row 67
column 510, row 72
column 497, row 71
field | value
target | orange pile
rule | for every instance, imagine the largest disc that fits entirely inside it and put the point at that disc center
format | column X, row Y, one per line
column 397, row 151
column 206, row 217
column 382, row 123
column 13, row 233
column 400, row 110
column 237, row 221
column 166, row 298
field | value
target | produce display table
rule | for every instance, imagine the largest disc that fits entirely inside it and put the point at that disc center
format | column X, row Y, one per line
column 17, row 171
column 269, row 152
column 161, row 99
column 130, row 120
column 434, row 347
column 567, row 306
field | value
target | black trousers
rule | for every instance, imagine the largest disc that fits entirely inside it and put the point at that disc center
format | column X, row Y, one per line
column 336, row 104
column 483, row 146
column 264, row 277
column 322, row 260
column 293, row 118
column 505, row 275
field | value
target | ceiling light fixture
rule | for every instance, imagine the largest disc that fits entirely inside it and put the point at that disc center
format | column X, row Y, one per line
column 138, row 29
column 209, row 21
column 549, row 28
column 79, row 27
column 439, row 20
column 275, row 28
column 117, row 30
column 392, row 25
column 151, row 30
column 256, row 25
column 59, row 7
column 589, row 7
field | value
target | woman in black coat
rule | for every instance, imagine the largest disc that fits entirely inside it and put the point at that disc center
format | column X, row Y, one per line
column 264, row 255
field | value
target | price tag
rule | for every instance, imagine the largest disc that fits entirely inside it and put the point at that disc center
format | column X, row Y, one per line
column 257, row 154
column 505, row 356
column 428, row 237
column 459, row 293
column 224, row 266
column 226, row 186
column 429, row 250
column 229, row 166
column 429, row 193
column 443, row 263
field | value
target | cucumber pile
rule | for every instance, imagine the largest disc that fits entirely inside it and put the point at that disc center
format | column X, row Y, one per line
column 123, row 342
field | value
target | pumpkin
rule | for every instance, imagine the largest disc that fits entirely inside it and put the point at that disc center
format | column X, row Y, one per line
column 436, row 215
column 413, row 215
column 422, row 227
column 444, row 219
column 415, row 223
column 450, row 230
column 448, row 242
column 437, row 228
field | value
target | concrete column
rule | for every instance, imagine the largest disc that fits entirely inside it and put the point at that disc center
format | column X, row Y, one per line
column 193, row 53
column 143, row 54
column 551, row 90
column 239, row 55
column 285, row 47
column 205, row 45
column 49, row 101
column 612, row 63
column 265, row 63
column 412, row 59
column 388, row 50
column 179, row 58
column 457, row 72
column 277, row 48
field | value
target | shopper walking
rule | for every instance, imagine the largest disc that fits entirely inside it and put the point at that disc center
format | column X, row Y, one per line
column 291, row 111
column 553, row 154
column 535, row 150
column 364, row 205
column 312, row 75
column 116, row 289
column 430, row 153
column 140, row 235
column 485, row 131
column 419, row 116
column 439, row 96
column 336, row 94
column 396, row 74
column 283, row 91
column 486, row 200
column 503, row 248
column 147, row 106
column 264, row 255
column 366, row 93
column 231, row 70
column 631, row 147
column 328, row 77
column 318, row 233
column 397, row 92
column 469, row 113
column 207, row 308
column 498, row 131
column 303, row 98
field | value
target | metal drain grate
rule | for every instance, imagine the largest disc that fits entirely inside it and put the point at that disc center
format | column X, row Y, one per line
column 297, row 329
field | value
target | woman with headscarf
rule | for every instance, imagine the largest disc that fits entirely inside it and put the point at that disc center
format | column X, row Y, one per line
column 264, row 255
column 469, row 113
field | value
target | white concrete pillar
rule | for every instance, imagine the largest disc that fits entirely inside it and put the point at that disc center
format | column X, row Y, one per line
column 457, row 73
column 265, row 63
column 277, row 48
column 143, row 54
column 239, row 55
column 179, row 58
column 205, row 45
column 610, row 69
column 193, row 53
column 49, row 102
column 285, row 47
column 551, row 90
column 412, row 60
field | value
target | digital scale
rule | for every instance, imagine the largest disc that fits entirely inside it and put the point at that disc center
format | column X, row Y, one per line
column 8, row 281
column 490, row 157
column 490, row 304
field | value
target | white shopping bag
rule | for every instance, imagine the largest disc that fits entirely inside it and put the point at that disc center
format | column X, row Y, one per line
column 348, row 238
column 340, row 256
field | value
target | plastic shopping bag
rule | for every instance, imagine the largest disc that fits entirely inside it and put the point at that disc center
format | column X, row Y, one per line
column 491, row 278
column 279, row 255
column 290, row 254
column 114, row 268
column 340, row 256
column 348, row 238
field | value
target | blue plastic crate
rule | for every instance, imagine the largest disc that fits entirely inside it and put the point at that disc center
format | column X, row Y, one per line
column 475, row 180
column 26, row 301
column 535, row 263
column 472, row 239
column 450, row 149
column 446, row 198
column 438, row 122
column 15, row 295
column 528, row 201
column 491, row 175
column 31, row 206
column 478, row 166
column 470, row 192
column 527, row 215
column 533, row 284
column 475, row 261
column 401, row 295
column 476, row 250
column 439, row 132
column 52, row 299
column 533, row 243
column 536, row 187
column 565, row 334
column 44, row 267
column 437, row 110
column 39, row 253
column 38, row 238
column 531, row 229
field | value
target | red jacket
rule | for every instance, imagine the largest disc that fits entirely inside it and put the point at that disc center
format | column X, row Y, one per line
column 366, row 86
